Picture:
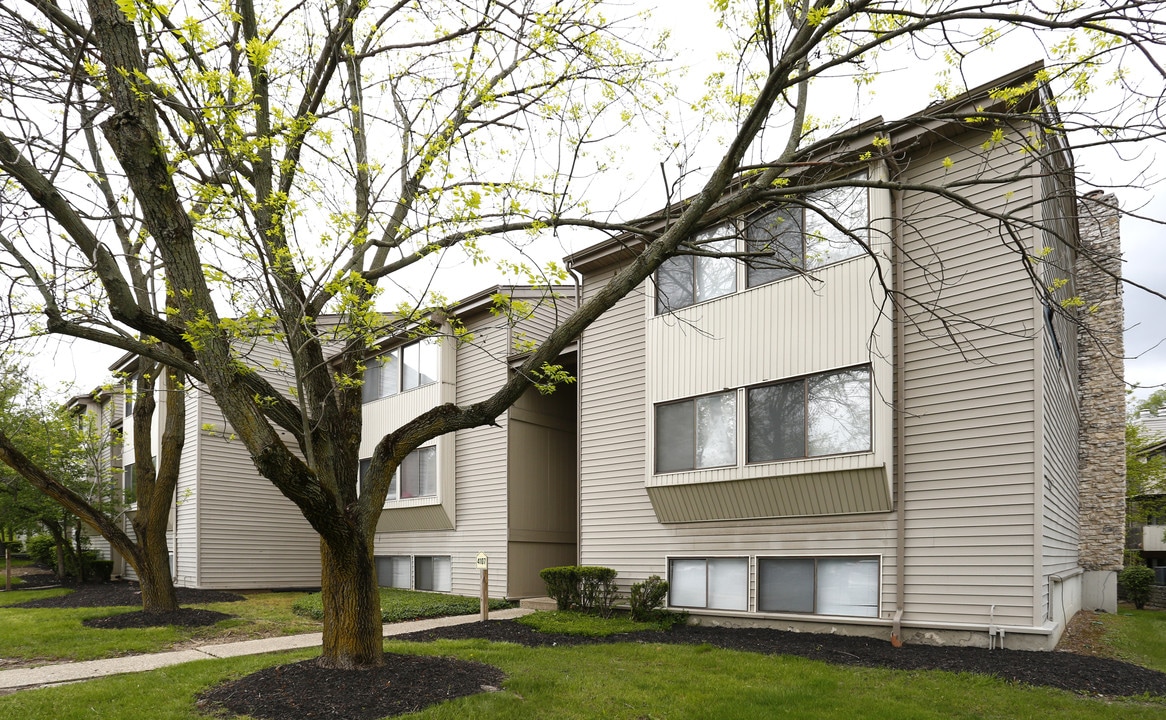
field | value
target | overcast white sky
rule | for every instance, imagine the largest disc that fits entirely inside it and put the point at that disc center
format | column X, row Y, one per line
column 901, row 88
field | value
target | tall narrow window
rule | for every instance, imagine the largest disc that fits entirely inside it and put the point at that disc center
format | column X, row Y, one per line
column 778, row 234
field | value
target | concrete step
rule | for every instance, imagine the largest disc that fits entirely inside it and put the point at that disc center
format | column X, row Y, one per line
column 542, row 603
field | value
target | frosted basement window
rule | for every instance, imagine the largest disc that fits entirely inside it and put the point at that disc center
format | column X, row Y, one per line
column 823, row 586
column 431, row 573
column 393, row 571
column 713, row 583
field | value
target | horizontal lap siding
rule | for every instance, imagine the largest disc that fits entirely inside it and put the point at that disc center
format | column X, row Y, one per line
column 480, row 476
column 549, row 310
column 187, row 495
column 249, row 534
column 970, row 418
column 618, row 526
column 1060, row 519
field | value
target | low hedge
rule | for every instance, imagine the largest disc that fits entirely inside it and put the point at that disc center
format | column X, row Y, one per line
column 400, row 605
column 588, row 588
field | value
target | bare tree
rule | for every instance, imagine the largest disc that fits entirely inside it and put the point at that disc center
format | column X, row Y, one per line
column 181, row 179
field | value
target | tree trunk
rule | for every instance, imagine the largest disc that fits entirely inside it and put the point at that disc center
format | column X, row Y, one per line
column 352, row 606
column 158, row 593
column 80, row 554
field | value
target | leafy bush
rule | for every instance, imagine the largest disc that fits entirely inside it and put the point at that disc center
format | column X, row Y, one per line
column 562, row 585
column 102, row 569
column 400, row 605
column 647, row 598
column 1138, row 582
column 42, row 550
column 588, row 588
column 13, row 546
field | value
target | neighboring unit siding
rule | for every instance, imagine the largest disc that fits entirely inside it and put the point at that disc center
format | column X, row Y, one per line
column 185, row 546
column 1061, row 413
column 969, row 400
column 249, row 535
column 480, row 474
column 548, row 310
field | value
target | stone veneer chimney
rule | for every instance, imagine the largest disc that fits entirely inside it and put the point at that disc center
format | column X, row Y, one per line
column 1101, row 458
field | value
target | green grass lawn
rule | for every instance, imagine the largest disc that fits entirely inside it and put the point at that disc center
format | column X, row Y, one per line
column 56, row 634
column 399, row 605
column 1138, row 636
column 50, row 634
column 624, row 681
column 632, row 681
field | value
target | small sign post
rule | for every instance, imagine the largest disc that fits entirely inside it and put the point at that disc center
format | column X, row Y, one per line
column 483, row 564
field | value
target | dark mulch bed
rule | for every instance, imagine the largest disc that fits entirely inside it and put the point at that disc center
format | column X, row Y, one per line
column 118, row 594
column 305, row 691
column 1067, row 671
column 184, row 617
column 408, row 683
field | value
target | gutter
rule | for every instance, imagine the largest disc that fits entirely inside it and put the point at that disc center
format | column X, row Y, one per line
column 578, row 280
column 900, row 414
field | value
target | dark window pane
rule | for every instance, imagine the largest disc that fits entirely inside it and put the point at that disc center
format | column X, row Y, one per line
column 364, row 465
column 838, row 412
column 674, row 279
column 372, row 380
column 778, row 234
column 674, row 437
column 785, row 585
column 777, row 422
column 423, row 573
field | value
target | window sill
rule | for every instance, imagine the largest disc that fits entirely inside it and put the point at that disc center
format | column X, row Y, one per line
column 412, row 502
column 779, row 468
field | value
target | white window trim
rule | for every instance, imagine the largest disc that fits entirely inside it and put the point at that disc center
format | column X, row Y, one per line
column 752, row 580
column 742, row 434
column 742, row 277
column 399, row 350
column 393, row 503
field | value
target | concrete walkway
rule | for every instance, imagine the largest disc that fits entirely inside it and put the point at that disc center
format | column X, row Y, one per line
column 72, row 672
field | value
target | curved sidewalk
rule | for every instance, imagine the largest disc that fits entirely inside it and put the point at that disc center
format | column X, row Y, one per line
column 75, row 671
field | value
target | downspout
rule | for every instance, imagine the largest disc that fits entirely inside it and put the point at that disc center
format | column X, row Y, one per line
column 578, row 423
column 900, row 416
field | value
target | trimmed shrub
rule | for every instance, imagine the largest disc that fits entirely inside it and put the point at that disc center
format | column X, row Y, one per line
column 42, row 550
column 562, row 585
column 588, row 588
column 647, row 598
column 1138, row 582
column 102, row 570
column 597, row 590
